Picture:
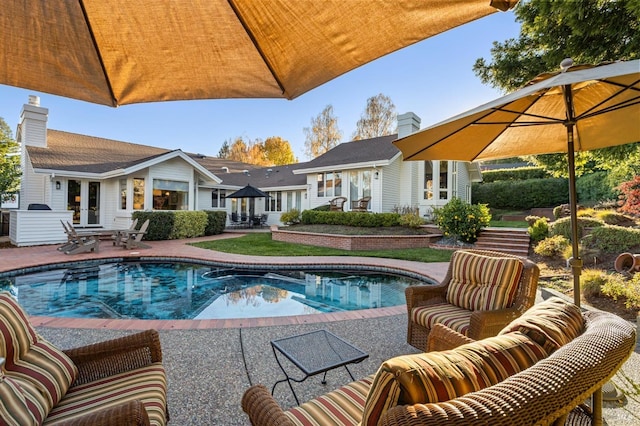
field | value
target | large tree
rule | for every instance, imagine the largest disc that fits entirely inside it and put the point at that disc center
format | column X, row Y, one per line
column 323, row 134
column 379, row 118
column 9, row 160
column 589, row 31
column 278, row 151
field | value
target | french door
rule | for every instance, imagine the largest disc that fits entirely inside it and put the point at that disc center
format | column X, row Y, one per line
column 83, row 198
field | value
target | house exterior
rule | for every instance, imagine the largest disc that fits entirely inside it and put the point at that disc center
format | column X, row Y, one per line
column 96, row 182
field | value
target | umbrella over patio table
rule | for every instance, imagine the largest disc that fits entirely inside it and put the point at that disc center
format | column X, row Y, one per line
column 117, row 52
column 248, row 192
column 578, row 109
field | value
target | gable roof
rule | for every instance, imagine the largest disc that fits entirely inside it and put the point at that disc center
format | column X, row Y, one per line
column 75, row 153
column 268, row 177
column 379, row 150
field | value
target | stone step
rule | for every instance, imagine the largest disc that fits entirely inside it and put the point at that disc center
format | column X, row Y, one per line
column 508, row 240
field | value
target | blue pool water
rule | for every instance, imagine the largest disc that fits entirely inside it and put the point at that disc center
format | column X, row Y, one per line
column 171, row 290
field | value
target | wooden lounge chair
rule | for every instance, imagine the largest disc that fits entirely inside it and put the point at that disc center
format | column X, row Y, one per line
column 133, row 239
column 81, row 242
column 70, row 238
column 117, row 235
column 337, row 204
column 361, row 205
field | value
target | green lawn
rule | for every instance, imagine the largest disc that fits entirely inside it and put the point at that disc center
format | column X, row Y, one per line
column 260, row 244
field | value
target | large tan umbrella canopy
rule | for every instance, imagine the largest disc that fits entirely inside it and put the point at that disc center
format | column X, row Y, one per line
column 578, row 109
column 117, row 52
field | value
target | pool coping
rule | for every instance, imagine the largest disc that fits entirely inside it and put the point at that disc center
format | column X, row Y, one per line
column 39, row 257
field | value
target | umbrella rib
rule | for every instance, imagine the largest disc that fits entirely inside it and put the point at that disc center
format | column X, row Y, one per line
column 624, row 104
column 97, row 49
column 257, row 45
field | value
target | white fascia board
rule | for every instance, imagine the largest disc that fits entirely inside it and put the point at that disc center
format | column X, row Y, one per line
column 71, row 173
column 338, row 167
column 284, row 188
column 168, row 156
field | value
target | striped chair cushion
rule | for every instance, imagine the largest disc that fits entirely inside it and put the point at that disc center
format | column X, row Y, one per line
column 147, row 384
column 343, row 406
column 442, row 376
column 483, row 283
column 30, row 357
column 552, row 323
column 22, row 404
column 455, row 318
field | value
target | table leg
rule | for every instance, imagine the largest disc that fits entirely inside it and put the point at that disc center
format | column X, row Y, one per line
column 287, row 379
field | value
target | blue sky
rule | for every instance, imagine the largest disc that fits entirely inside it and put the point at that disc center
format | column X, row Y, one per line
column 433, row 79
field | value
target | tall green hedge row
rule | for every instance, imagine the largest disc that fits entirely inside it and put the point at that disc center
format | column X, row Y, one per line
column 523, row 194
column 169, row 225
column 521, row 173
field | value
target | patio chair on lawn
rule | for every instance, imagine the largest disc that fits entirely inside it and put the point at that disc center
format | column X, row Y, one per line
column 337, row 204
column 361, row 205
column 133, row 239
column 482, row 292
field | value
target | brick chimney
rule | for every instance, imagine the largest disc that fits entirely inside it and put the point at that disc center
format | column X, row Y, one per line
column 408, row 123
column 33, row 123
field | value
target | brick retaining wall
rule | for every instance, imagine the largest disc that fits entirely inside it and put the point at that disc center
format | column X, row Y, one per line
column 354, row 242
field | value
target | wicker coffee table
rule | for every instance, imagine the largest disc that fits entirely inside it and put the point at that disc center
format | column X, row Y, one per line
column 314, row 353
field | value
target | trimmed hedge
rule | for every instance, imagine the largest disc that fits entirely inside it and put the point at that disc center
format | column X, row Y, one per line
column 522, row 195
column 216, row 222
column 520, row 173
column 562, row 226
column 370, row 220
column 614, row 239
column 168, row 225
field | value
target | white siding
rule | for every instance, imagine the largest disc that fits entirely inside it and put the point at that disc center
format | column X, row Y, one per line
column 36, row 227
column 32, row 185
column 390, row 176
column 174, row 169
column 464, row 182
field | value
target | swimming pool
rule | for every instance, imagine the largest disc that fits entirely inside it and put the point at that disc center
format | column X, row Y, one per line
column 179, row 290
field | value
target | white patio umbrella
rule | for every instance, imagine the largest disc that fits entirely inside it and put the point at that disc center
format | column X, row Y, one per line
column 577, row 109
column 117, row 52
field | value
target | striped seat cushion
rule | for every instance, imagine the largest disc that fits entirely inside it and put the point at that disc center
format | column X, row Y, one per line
column 483, row 283
column 441, row 376
column 455, row 318
column 22, row 403
column 147, row 384
column 343, row 406
column 552, row 323
column 31, row 358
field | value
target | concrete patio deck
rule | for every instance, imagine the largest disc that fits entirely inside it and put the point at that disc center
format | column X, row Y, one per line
column 210, row 363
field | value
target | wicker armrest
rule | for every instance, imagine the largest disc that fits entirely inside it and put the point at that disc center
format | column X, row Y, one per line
column 442, row 338
column 418, row 295
column 262, row 409
column 489, row 323
column 111, row 357
column 130, row 413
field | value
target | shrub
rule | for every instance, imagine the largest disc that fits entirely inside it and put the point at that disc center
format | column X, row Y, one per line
column 291, row 217
column 411, row 220
column 462, row 220
column 552, row 246
column 563, row 226
column 614, row 239
column 539, row 230
column 216, row 221
column 370, row 220
column 592, row 281
column 160, row 224
column 531, row 219
column 630, row 196
column 522, row 195
column 520, row 173
column 614, row 218
column 629, row 289
column 188, row 224
column 594, row 187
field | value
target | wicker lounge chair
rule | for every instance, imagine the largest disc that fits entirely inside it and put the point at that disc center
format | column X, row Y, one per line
column 504, row 286
column 337, row 204
column 117, row 382
column 361, row 205
column 557, row 368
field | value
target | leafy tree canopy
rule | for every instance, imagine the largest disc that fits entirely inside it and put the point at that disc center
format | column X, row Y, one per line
column 323, row 134
column 274, row 151
column 9, row 160
column 589, row 31
column 379, row 118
